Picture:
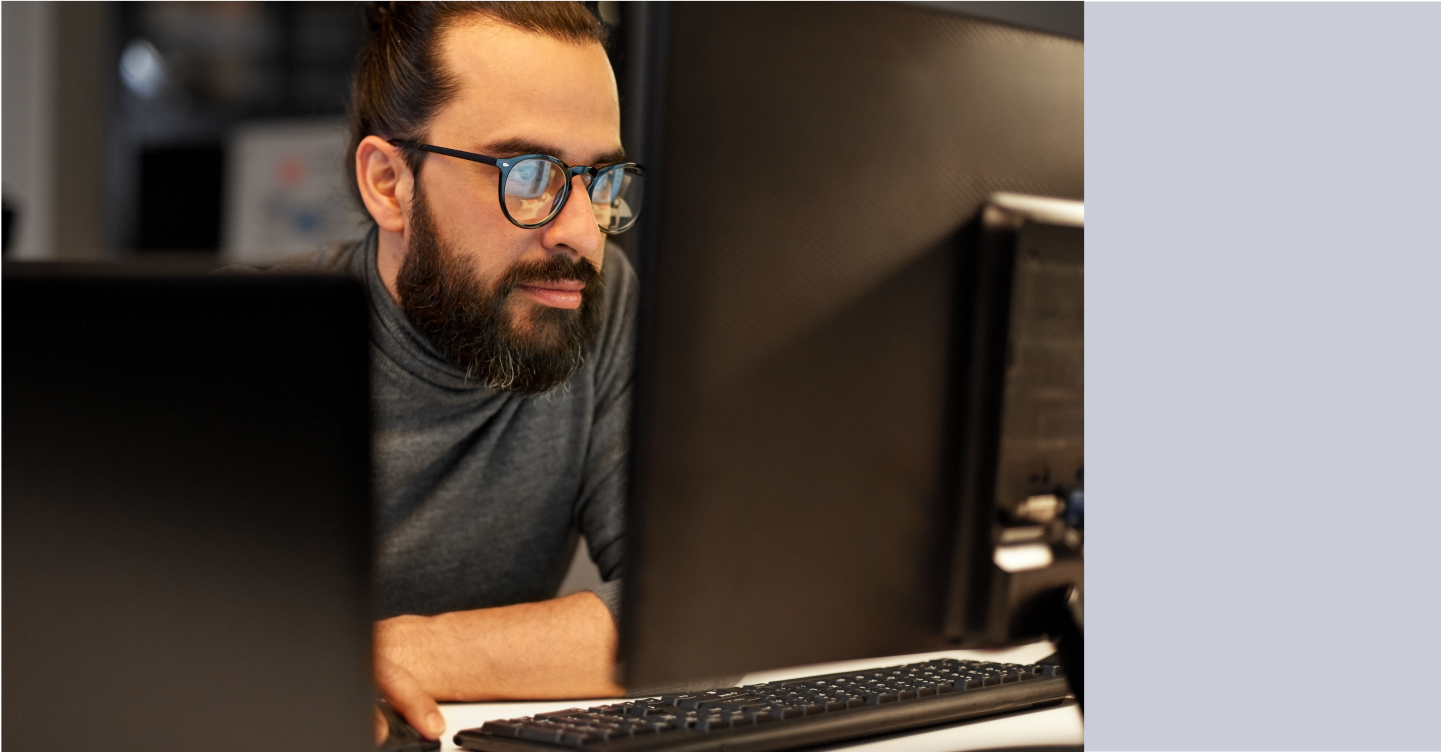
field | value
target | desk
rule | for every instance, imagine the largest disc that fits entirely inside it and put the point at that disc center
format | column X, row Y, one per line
column 1052, row 726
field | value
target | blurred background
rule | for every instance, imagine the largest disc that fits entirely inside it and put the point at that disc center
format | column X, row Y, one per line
column 207, row 131
column 214, row 132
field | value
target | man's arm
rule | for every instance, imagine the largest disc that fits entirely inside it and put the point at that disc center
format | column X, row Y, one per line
column 553, row 649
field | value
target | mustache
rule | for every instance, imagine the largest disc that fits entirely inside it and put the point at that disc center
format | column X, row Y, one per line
column 553, row 269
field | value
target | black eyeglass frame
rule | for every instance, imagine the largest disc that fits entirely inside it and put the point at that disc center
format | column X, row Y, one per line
column 507, row 164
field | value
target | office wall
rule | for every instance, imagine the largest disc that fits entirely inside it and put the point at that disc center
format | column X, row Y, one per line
column 56, row 102
column 82, row 103
column 27, row 108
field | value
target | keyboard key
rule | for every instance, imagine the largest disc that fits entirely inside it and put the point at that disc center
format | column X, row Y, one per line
column 575, row 738
column 537, row 733
column 711, row 722
column 502, row 728
column 758, row 713
column 781, row 711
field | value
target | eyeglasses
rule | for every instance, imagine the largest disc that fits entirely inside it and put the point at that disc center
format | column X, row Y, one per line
column 534, row 187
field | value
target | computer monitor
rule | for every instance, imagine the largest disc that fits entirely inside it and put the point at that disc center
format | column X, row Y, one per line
column 808, row 444
column 178, row 570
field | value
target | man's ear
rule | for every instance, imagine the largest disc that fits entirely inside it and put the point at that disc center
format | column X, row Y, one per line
column 386, row 183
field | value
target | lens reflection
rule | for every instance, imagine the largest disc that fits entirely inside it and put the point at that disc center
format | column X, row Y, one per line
column 531, row 190
column 615, row 197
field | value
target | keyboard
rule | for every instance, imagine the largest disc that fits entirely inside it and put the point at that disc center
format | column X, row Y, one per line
column 784, row 714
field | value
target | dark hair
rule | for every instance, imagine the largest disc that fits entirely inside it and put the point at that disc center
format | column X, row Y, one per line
column 400, row 82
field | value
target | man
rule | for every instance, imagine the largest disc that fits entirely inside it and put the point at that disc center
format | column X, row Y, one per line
column 501, row 353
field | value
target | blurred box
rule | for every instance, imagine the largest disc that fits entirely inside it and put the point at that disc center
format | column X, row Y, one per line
column 288, row 191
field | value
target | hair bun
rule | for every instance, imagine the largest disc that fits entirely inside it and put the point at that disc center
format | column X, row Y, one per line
column 377, row 13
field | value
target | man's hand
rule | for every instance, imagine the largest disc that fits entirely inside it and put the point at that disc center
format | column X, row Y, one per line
column 554, row 649
column 404, row 693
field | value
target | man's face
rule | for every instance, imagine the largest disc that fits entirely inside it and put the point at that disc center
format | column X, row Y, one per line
column 467, row 268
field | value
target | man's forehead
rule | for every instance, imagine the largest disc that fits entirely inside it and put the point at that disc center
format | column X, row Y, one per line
column 520, row 92
column 517, row 145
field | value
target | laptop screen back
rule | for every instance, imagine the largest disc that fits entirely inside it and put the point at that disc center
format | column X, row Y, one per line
column 186, row 512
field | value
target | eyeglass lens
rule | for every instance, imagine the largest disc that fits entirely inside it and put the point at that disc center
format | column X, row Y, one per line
column 531, row 190
column 615, row 198
column 533, row 186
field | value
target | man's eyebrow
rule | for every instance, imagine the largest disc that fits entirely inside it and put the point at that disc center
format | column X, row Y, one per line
column 514, row 147
column 609, row 157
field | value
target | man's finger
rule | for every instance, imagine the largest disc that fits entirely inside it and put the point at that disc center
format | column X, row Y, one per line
column 402, row 690
column 382, row 729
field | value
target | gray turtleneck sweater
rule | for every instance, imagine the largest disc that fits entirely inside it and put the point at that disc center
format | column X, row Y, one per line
column 481, row 492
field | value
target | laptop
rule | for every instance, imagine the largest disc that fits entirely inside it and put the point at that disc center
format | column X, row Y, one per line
column 186, row 511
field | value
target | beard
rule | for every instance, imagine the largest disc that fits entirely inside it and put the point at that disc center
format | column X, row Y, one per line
column 486, row 327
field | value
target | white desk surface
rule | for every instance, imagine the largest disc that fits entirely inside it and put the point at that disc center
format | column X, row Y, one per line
column 1051, row 726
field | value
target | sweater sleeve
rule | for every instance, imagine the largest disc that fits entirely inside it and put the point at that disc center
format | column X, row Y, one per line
column 609, row 594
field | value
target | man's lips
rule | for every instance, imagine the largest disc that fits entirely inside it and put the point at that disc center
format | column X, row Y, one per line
column 558, row 293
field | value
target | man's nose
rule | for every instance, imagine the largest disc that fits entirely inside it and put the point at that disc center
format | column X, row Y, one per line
column 575, row 226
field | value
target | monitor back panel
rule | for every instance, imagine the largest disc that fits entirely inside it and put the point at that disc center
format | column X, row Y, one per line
column 186, row 512
column 811, row 167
